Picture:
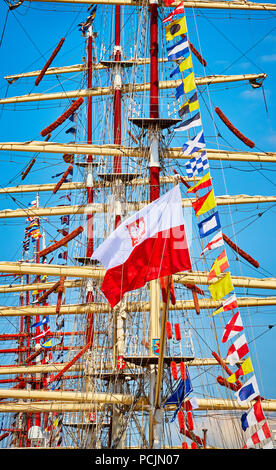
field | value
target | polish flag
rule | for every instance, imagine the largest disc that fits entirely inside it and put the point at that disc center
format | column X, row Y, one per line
column 148, row 245
column 258, row 437
column 233, row 327
column 237, row 350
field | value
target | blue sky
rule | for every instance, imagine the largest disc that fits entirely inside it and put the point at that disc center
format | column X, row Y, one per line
column 231, row 43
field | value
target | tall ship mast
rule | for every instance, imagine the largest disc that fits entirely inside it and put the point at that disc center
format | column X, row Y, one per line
column 137, row 214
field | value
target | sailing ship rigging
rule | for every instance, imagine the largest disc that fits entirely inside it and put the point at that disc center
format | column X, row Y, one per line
column 168, row 363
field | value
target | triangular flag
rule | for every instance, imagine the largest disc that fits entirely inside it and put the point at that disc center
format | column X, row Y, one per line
column 204, row 182
column 222, row 287
column 204, row 203
column 228, row 304
column 244, row 369
column 177, row 11
column 191, row 105
column 184, row 65
column 216, row 242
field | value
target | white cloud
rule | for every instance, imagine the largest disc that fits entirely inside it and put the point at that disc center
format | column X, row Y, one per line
column 269, row 58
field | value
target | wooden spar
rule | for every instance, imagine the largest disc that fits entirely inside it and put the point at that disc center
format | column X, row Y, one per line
column 111, row 398
column 219, row 4
column 46, row 294
column 28, row 169
column 78, row 68
column 60, row 406
column 47, row 368
column 101, row 308
column 99, row 184
column 240, row 251
column 132, row 206
column 71, row 363
column 61, row 242
column 4, row 288
column 195, row 277
column 129, row 88
column 113, row 150
column 62, row 179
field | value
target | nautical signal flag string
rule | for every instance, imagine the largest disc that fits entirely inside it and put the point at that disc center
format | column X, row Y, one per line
column 221, row 285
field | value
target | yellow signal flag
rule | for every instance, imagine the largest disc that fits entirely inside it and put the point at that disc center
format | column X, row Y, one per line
column 220, row 264
column 175, row 28
column 222, row 287
column 186, row 64
column 244, row 369
column 204, row 203
column 204, row 182
column 189, row 83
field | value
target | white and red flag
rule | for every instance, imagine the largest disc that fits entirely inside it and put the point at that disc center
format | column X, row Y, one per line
column 233, row 327
column 258, row 437
column 216, row 242
column 237, row 350
column 177, row 11
column 148, row 245
column 254, row 416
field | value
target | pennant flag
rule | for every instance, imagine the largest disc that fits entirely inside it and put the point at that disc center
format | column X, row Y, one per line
column 175, row 28
column 192, row 122
column 168, row 2
column 222, row 287
column 189, row 83
column 191, row 105
column 237, row 350
column 177, row 11
column 144, row 247
column 185, row 65
column 228, row 304
column 46, row 344
column 259, row 436
column 233, row 327
column 254, row 416
column 71, row 130
column 179, row 49
column 209, row 225
column 42, row 322
column 216, row 242
column 41, row 335
column 194, row 144
column 204, row 203
column 179, row 91
column 183, row 389
column 219, row 266
column 244, row 369
column 204, row 182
